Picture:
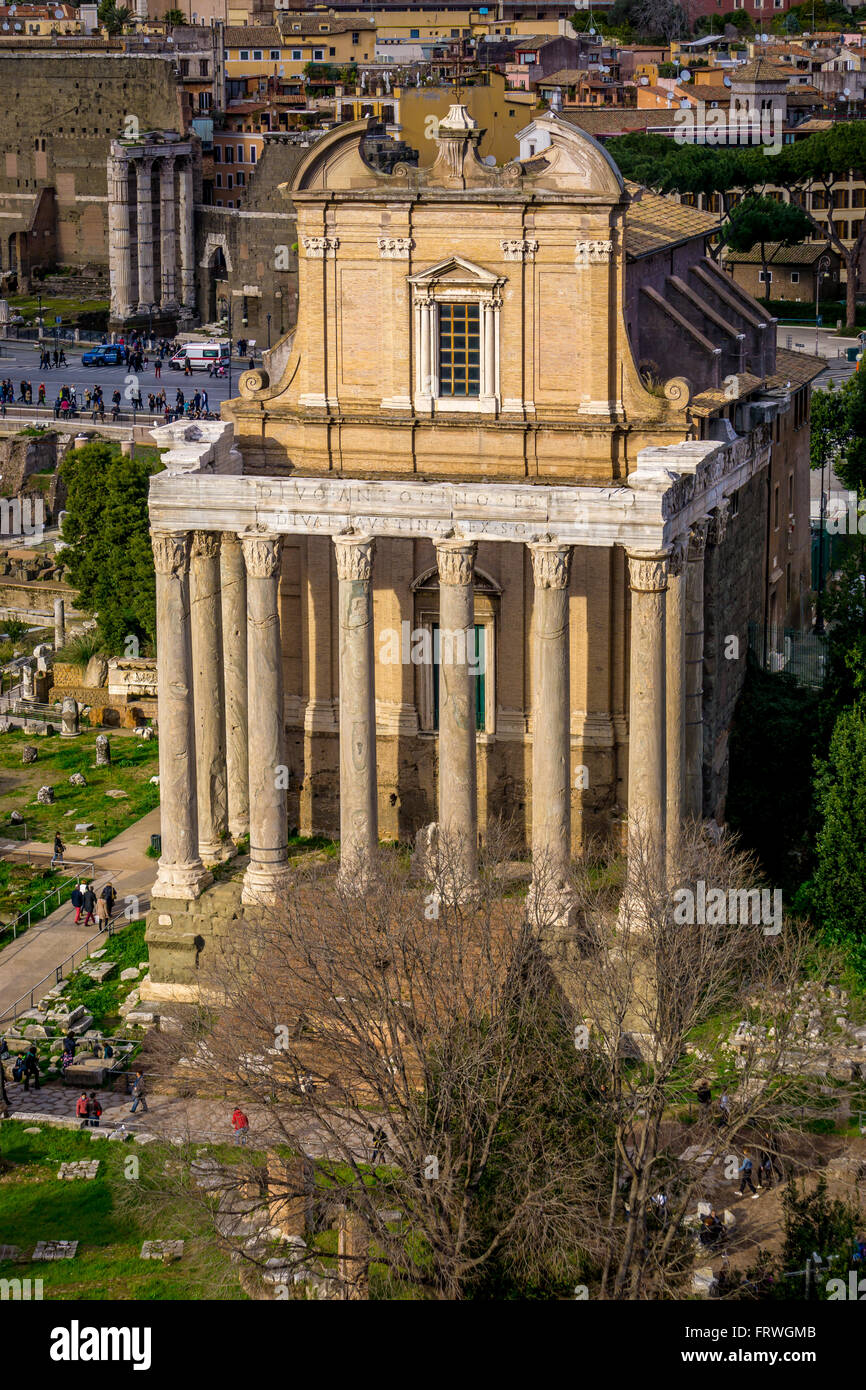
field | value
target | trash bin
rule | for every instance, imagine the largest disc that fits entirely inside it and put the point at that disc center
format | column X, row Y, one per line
column 851, row 354
column 156, row 844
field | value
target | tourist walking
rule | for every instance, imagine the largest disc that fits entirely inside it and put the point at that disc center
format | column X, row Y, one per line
column 240, row 1125
column 746, row 1170
column 139, row 1096
column 95, row 1111
column 59, row 847
column 82, row 1109
column 109, row 897
column 88, row 902
column 31, row 1069
column 102, row 913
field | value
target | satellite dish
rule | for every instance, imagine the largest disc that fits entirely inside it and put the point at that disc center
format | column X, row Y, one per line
column 846, row 92
column 592, row 31
column 17, row 28
column 765, row 38
column 727, row 81
column 490, row 159
column 5, row 27
column 644, row 81
column 685, row 75
column 58, row 14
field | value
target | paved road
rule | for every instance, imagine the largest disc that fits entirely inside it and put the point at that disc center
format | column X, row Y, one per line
column 20, row 360
column 40, row 950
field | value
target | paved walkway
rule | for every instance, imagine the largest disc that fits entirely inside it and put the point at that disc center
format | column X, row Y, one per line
column 44, row 947
column 178, row 1117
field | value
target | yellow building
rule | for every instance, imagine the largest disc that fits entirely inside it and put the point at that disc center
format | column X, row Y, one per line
column 270, row 50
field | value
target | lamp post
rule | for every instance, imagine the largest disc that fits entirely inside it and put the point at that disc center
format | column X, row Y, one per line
column 278, row 295
column 229, row 312
column 269, row 332
column 823, row 269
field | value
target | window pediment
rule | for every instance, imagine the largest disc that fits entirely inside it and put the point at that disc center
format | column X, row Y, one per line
column 456, row 272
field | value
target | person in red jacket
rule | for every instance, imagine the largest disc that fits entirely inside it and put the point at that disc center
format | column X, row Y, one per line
column 240, row 1125
column 82, row 1109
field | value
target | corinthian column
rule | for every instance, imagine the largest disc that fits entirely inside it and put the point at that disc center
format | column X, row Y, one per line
column 144, row 199
column 551, row 729
column 267, row 877
column 694, row 668
column 358, row 795
column 168, row 235
column 458, row 801
column 187, row 250
column 207, row 658
column 119, row 258
column 647, row 778
column 233, row 587
column 181, row 873
column 676, row 695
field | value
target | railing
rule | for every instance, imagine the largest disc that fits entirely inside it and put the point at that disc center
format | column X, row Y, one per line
column 29, row 913
column 23, row 708
column 56, row 975
column 802, row 655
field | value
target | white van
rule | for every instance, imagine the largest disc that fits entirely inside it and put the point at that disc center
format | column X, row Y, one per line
column 201, row 356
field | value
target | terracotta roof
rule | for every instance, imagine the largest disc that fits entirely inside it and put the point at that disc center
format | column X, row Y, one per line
column 654, row 221
column 311, row 24
column 815, row 123
column 760, row 70
column 716, row 397
column 252, row 36
column 708, row 93
column 566, row 77
column 617, row 120
column 804, row 253
column 796, row 367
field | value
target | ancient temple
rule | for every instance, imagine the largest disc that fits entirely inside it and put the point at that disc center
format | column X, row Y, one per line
column 468, row 547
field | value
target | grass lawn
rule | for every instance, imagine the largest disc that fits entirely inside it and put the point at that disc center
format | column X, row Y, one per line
column 36, row 1205
column 23, row 884
column 103, row 1000
column 134, row 762
column 67, row 307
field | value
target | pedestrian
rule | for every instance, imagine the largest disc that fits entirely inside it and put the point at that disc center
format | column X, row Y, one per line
column 240, row 1125
column 725, row 1108
column 56, row 358
column 88, row 902
column 204, row 405
column 31, row 1068
column 109, row 897
column 69, row 1044
column 76, row 900
column 768, row 1168
column 59, row 848
column 746, row 1180
column 380, row 1138
column 95, row 1111
column 138, row 1094
column 82, row 1109
column 101, row 913
column 157, row 368
column 41, row 396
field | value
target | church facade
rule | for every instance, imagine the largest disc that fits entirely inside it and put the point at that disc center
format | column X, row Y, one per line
column 473, row 544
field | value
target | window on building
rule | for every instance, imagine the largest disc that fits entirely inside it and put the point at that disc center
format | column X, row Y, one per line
column 240, row 154
column 795, row 277
column 230, row 183
column 735, row 503
column 217, row 154
column 253, row 155
column 229, row 154
column 257, row 55
column 219, row 179
column 184, row 67
column 297, row 55
column 204, row 101
column 765, row 277
column 203, row 66
column 275, row 55
column 318, row 55
column 788, row 583
column 459, row 350
column 245, row 55
column 240, row 178
column 478, row 661
column 332, row 52
column 356, row 38
column 776, row 507
column 790, row 494
column 414, row 33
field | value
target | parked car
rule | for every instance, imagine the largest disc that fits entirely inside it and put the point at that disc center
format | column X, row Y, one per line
column 108, row 356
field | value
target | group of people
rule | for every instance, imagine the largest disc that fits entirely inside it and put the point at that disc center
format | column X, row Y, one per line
column 84, row 899
column 88, row 1109
column 47, row 359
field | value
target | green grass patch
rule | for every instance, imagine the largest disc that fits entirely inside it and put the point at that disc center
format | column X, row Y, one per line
column 133, row 764
column 103, row 1000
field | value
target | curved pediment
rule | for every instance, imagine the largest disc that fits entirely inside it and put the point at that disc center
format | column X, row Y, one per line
column 573, row 161
column 335, row 161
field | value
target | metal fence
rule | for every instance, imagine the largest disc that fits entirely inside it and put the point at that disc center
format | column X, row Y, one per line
column 802, row 655
column 39, row 910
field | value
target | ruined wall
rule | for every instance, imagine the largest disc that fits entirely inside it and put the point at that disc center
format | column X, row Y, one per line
column 59, row 113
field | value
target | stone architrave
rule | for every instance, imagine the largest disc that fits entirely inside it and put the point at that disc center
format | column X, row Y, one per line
column 694, row 668
column 358, row 792
column 676, row 695
column 267, row 877
column 551, row 730
column 458, row 801
column 233, row 586
column 144, row 209
column 647, row 776
column 181, row 873
column 207, row 663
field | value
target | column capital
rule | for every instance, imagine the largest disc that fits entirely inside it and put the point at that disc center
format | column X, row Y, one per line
column 262, row 552
column 145, row 164
column 230, row 540
column 205, row 545
column 170, row 552
column 648, row 571
column 719, row 522
column 355, row 553
column 455, row 560
column 698, row 538
column 551, row 563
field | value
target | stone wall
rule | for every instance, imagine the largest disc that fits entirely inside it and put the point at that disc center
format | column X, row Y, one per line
column 20, row 456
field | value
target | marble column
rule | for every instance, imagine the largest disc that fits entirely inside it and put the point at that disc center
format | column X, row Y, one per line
column 181, row 873
column 59, row 624
column 676, row 695
column 119, row 256
column 267, row 877
column 647, row 778
column 358, row 790
column 694, row 668
column 233, row 588
column 207, row 660
column 144, row 202
column 167, row 235
column 186, row 212
column 458, row 801
column 551, row 728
